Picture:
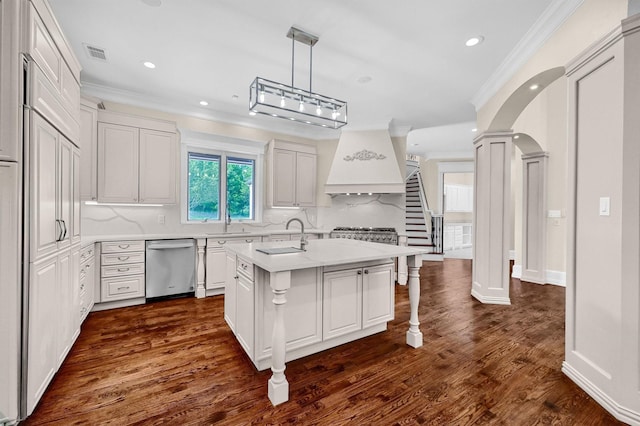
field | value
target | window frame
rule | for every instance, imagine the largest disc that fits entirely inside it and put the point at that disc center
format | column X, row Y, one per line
column 224, row 151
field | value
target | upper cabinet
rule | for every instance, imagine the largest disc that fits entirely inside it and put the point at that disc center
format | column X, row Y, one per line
column 136, row 159
column 291, row 175
column 89, row 147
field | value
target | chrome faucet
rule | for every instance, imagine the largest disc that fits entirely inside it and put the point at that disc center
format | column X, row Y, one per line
column 303, row 239
column 227, row 220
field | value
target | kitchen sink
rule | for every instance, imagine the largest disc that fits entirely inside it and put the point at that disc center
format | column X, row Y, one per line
column 280, row 250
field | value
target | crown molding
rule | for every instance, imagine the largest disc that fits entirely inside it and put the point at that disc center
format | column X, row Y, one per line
column 547, row 24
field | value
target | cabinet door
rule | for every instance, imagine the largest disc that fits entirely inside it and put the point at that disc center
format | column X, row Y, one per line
column 342, row 303
column 117, row 163
column 216, row 268
column 230, row 288
column 67, row 302
column 74, row 226
column 65, row 190
column 45, row 227
column 245, row 309
column 305, row 180
column 10, row 69
column 89, row 147
column 377, row 295
column 284, row 178
column 157, row 167
column 43, row 311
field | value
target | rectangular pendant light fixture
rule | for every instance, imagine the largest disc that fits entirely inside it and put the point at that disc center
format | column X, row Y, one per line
column 292, row 103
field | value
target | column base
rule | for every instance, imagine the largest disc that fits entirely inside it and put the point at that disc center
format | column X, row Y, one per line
column 278, row 392
column 201, row 293
column 414, row 339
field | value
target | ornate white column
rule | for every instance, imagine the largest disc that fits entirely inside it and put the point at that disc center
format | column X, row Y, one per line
column 200, row 288
column 492, row 217
column 278, row 385
column 414, row 335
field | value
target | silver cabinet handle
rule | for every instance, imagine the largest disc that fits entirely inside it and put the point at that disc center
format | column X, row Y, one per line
column 65, row 229
column 366, row 271
column 123, row 269
column 123, row 258
column 123, row 288
column 222, row 242
column 123, row 246
column 359, row 272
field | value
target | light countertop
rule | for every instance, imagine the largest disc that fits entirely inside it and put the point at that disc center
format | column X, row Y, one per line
column 323, row 252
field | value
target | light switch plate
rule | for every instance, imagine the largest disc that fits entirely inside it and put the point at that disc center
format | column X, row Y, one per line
column 605, row 205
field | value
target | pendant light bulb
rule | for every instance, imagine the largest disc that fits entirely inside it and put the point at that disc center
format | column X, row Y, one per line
column 301, row 106
column 282, row 102
column 262, row 96
column 334, row 114
column 318, row 109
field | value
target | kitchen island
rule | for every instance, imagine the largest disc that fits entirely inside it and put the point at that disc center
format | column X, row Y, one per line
column 285, row 306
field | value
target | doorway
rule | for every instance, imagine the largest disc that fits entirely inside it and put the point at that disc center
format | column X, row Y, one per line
column 457, row 208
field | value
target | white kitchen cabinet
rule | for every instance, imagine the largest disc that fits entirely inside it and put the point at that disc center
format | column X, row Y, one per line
column 74, row 232
column 244, row 303
column 230, row 290
column 89, row 146
column 291, row 170
column 357, row 298
column 216, row 260
column 117, row 163
column 342, row 303
column 136, row 162
column 87, row 280
column 122, row 270
column 378, row 295
column 53, row 320
column 53, row 189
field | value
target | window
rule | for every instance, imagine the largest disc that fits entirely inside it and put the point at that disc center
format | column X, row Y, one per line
column 219, row 184
column 458, row 198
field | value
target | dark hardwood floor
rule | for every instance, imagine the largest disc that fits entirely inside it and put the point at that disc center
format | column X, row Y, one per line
column 177, row 363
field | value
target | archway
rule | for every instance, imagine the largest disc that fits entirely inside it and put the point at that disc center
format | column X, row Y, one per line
column 492, row 212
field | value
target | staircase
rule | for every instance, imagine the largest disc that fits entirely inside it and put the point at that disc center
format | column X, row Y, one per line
column 420, row 222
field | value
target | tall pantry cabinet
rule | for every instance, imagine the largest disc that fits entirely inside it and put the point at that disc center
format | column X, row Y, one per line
column 39, row 203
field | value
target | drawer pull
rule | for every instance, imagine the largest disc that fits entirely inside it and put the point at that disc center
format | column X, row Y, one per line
column 88, row 266
column 123, row 288
column 123, row 246
column 123, row 258
column 222, row 242
column 123, row 269
column 249, row 241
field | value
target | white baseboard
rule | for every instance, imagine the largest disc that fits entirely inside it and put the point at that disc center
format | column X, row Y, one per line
column 512, row 255
column 619, row 412
column 551, row 277
column 490, row 300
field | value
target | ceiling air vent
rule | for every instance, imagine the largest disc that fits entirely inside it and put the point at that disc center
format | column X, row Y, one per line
column 96, row 52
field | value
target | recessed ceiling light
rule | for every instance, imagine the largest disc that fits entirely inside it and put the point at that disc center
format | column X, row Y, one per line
column 234, row 97
column 516, row 137
column 474, row 130
column 474, row 41
column 414, row 144
column 204, row 103
column 252, row 113
column 364, row 79
column 534, row 87
column 149, row 64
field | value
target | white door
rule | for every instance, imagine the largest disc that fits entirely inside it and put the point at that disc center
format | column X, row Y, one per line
column 284, row 178
column 43, row 317
column 89, row 146
column 342, row 302
column 117, row 163
column 245, row 313
column 74, row 232
column 305, row 179
column 377, row 295
column 65, row 190
column 230, row 289
column 45, row 226
column 157, row 167
column 216, row 268
column 62, row 324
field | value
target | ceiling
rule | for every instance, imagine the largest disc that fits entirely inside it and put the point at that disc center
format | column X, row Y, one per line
column 421, row 75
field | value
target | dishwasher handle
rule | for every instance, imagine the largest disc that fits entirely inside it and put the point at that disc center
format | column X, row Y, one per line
column 168, row 245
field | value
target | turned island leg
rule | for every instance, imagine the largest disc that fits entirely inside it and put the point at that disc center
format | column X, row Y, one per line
column 414, row 335
column 200, row 289
column 278, row 385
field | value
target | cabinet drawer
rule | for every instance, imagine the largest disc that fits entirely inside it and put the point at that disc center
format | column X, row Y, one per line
column 245, row 268
column 220, row 242
column 87, row 253
column 122, row 270
column 122, row 246
column 117, row 288
column 122, row 258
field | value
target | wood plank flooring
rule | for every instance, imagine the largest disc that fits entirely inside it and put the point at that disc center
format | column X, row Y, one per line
column 177, row 363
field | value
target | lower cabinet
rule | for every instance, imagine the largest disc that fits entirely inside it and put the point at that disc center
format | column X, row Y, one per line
column 54, row 323
column 122, row 270
column 215, row 270
column 87, row 280
column 324, row 307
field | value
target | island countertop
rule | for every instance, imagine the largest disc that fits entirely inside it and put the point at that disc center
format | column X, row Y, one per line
column 323, row 252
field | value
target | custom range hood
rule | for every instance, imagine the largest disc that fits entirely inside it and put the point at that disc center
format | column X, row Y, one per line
column 365, row 163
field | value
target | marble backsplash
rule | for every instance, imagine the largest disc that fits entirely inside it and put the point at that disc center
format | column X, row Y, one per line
column 386, row 210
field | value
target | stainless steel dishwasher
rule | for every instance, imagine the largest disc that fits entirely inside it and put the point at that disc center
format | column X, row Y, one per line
column 171, row 268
